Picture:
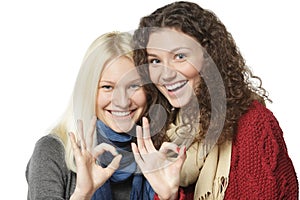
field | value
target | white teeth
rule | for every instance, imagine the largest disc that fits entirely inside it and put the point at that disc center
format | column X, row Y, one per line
column 119, row 113
column 175, row 86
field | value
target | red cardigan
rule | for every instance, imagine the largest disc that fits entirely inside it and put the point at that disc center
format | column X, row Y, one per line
column 260, row 165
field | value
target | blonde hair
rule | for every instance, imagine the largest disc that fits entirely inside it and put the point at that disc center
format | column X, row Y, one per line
column 82, row 106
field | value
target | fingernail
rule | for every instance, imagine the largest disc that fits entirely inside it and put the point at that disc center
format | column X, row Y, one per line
column 178, row 149
column 145, row 120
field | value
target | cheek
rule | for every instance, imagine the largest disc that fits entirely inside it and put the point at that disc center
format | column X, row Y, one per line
column 189, row 71
column 139, row 98
column 102, row 100
column 155, row 74
column 196, row 63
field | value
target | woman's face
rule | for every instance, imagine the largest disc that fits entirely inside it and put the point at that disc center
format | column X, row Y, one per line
column 121, row 98
column 175, row 60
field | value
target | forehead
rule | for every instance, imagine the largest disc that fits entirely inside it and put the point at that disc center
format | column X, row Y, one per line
column 119, row 70
column 169, row 39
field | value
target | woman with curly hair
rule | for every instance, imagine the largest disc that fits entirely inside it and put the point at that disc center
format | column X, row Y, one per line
column 215, row 107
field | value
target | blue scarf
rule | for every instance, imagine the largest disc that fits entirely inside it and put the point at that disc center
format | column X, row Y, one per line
column 141, row 189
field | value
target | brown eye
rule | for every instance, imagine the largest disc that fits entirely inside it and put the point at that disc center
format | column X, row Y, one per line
column 154, row 61
column 106, row 87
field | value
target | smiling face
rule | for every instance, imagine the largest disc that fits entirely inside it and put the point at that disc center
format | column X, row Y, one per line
column 175, row 60
column 121, row 98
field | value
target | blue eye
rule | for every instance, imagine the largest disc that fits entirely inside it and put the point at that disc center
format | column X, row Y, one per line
column 135, row 86
column 180, row 56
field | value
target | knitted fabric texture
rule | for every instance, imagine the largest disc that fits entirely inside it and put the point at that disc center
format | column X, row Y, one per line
column 260, row 165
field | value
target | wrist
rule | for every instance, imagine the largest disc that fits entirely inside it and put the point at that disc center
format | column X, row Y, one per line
column 77, row 195
column 172, row 196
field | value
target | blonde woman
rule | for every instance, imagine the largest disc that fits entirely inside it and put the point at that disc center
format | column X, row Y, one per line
column 92, row 158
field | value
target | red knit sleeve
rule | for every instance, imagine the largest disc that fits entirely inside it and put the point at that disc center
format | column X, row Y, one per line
column 260, row 165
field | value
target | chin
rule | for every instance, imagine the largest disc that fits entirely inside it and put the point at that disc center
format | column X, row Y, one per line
column 179, row 102
column 122, row 128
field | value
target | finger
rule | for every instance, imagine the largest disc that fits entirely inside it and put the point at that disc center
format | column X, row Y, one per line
column 167, row 146
column 181, row 157
column 182, row 151
column 138, row 159
column 147, row 137
column 140, row 140
column 134, row 148
column 81, row 135
column 91, row 133
column 101, row 148
column 113, row 166
column 75, row 147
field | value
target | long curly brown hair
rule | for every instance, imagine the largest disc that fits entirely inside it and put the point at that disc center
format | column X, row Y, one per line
column 240, row 86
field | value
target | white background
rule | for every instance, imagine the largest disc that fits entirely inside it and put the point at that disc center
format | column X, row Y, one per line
column 42, row 44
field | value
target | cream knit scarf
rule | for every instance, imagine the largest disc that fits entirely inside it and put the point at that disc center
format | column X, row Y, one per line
column 210, row 173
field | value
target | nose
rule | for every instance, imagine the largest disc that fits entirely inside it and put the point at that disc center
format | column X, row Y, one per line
column 168, row 72
column 120, row 98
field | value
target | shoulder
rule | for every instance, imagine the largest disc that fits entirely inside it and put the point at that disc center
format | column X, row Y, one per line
column 49, row 140
column 46, row 173
column 48, row 157
column 48, row 150
column 257, row 113
column 258, row 122
column 49, row 144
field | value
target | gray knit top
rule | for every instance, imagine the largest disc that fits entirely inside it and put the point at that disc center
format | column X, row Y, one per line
column 47, row 174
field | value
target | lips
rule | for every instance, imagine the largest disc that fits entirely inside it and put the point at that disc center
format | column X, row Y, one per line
column 176, row 86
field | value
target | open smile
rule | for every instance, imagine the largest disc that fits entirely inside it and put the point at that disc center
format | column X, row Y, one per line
column 176, row 86
column 121, row 114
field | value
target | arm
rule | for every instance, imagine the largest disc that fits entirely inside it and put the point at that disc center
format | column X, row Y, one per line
column 162, row 172
column 276, row 161
column 260, row 166
column 46, row 171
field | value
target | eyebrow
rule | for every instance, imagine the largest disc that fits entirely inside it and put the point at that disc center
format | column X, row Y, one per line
column 169, row 51
column 138, row 79
column 106, row 81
